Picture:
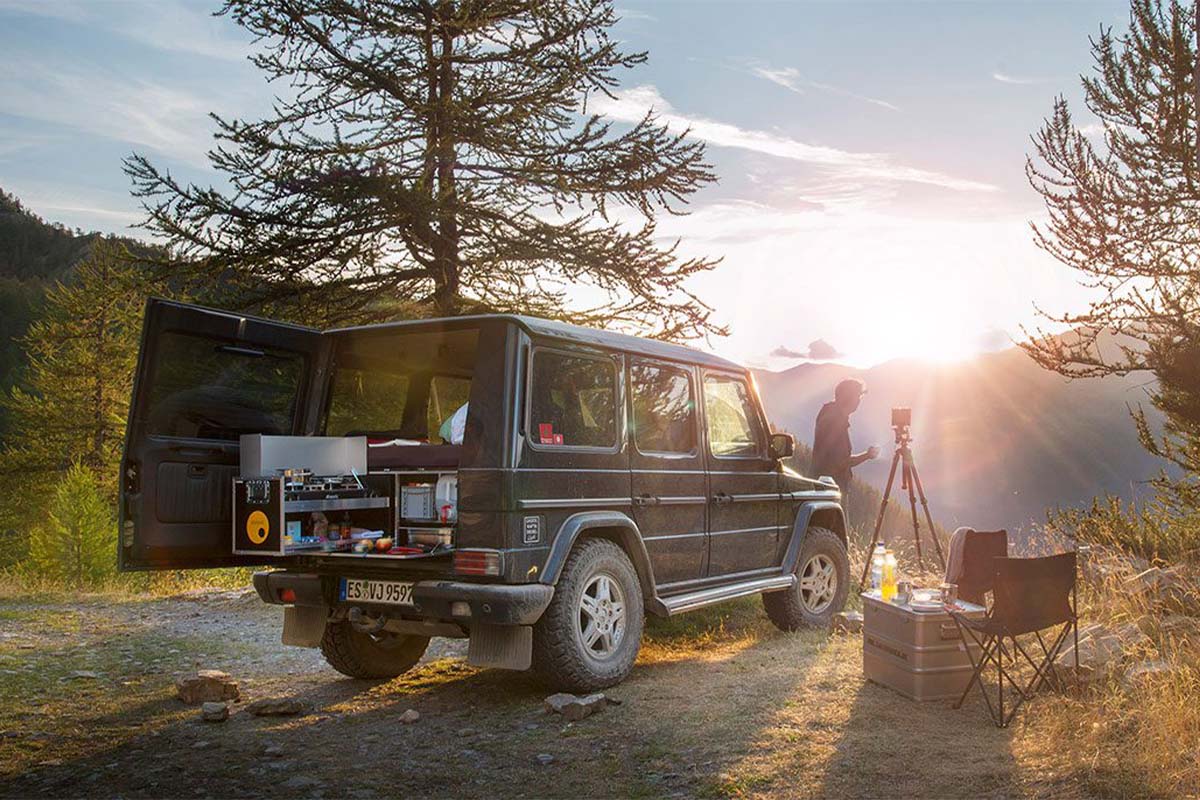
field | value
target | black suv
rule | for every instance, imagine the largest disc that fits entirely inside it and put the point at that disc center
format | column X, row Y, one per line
column 529, row 484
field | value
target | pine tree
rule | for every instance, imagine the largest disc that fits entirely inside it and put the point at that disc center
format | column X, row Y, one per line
column 77, row 542
column 72, row 403
column 438, row 153
column 1124, row 214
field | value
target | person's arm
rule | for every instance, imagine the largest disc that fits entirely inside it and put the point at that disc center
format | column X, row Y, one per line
column 870, row 454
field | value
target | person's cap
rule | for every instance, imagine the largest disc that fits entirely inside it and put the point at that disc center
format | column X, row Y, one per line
column 850, row 388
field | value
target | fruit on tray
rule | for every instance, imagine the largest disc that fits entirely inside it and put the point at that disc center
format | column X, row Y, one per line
column 383, row 544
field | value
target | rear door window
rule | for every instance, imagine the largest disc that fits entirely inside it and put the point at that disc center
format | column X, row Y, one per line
column 664, row 409
column 573, row 400
column 202, row 389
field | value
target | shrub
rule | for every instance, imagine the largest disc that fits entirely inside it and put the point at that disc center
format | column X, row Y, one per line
column 1152, row 530
column 77, row 543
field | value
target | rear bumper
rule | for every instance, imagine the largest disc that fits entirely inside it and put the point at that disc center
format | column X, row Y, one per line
column 496, row 604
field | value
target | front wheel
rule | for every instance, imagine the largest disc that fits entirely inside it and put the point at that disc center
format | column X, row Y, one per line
column 590, row 635
column 822, row 584
column 363, row 655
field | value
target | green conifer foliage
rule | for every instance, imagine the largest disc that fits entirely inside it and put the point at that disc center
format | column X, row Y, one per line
column 77, row 542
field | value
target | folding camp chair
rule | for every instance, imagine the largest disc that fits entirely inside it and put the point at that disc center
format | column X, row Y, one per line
column 976, row 576
column 1030, row 595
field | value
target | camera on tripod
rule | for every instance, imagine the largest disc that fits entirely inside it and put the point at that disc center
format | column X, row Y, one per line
column 901, row 417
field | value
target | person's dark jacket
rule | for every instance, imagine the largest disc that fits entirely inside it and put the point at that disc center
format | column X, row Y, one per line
column 831, row 444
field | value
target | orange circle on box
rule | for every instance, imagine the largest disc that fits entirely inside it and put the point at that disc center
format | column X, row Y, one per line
column 257, row 527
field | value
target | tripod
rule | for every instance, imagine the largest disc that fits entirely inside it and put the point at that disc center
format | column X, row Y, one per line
column 910, row 481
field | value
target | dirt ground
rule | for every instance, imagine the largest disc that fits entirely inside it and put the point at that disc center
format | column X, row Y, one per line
column 720, row 705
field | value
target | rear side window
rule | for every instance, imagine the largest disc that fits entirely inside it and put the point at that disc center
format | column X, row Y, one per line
column 365, row 400
column 205, row 390
column 664, row 409
column 573, row 400
column 733, row 428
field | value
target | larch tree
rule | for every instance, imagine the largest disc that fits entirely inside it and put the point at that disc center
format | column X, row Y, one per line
column 70, row 406
column 1123, row 204
column 438, row 155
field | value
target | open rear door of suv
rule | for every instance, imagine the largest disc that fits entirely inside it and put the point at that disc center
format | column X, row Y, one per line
column 205, row 378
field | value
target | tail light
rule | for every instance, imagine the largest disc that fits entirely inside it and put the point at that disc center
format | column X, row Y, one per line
column 287, row 595
column 477, row 562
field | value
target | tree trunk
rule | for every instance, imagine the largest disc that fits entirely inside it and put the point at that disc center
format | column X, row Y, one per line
column 446, row 266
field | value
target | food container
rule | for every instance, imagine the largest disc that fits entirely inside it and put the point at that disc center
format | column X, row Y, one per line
column 418, row 501
column 431, row 537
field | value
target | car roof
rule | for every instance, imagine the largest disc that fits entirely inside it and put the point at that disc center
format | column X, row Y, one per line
column 575, row 334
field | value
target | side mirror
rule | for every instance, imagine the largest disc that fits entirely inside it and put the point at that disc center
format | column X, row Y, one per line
column 783, row 445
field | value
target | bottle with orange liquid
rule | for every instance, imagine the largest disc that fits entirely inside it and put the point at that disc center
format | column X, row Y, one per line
column 887, row 590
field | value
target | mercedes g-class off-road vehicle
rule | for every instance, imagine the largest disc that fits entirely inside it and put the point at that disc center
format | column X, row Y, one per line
column 534, row 486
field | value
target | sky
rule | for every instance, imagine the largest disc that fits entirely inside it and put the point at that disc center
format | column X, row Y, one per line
column 871, row 202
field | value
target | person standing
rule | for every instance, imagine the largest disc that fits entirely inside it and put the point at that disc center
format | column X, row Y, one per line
column 832, row 453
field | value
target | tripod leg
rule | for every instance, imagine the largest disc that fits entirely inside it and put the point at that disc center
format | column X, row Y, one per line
column 912, row 505
column 887, row 492
column 937, row 546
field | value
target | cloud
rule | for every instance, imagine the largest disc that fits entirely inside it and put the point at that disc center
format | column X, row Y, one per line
column 631, row 105
column 791, row 79
column 818, row 350
column 141, row 112
column 170, row 25
column 1006, row 78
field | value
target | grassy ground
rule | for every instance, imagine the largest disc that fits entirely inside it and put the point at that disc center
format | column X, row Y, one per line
column 721, row 705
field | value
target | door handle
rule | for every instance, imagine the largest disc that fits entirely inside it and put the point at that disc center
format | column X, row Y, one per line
column 721, row 498
column 645, row 500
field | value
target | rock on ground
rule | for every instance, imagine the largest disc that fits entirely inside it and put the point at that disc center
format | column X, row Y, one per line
column 214, row 712
column 206, row 685
column 410, row 716
column 1103, row 649
column 847, row 622
column 276, row 707
column 574, row 708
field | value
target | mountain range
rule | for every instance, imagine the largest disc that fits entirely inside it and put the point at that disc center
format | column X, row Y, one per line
column 996, row 439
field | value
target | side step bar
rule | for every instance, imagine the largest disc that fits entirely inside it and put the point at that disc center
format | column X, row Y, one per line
column 707, row 597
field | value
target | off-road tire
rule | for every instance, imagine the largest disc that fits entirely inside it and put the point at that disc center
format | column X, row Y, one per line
column 786, row 609
column 357, row 655
column 559, row 656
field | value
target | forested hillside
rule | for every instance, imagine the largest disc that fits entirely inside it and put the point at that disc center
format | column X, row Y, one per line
column 34, row 254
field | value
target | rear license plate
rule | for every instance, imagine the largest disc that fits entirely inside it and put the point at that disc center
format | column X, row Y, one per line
column 356, row 590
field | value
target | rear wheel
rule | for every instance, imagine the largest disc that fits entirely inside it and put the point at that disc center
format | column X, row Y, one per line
column 590, row 635
column 822, row 585
column 363, row 655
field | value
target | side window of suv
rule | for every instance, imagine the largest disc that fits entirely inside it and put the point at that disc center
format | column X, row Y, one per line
column 733, row 428
column 573, row 400
column 664, row 409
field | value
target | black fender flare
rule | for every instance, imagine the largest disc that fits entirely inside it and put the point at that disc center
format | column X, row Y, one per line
column 625, row 532
column 829, row 512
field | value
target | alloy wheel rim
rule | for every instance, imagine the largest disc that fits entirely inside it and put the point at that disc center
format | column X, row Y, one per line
column 602, row 616
column 818, row 583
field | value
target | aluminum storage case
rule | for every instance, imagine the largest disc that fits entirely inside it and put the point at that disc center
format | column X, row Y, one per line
column 917, row 653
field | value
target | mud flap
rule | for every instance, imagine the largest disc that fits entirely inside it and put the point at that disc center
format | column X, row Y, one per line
column 501, row 646
column 303, row 626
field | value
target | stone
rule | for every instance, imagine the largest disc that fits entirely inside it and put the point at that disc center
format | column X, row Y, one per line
column 847, row 622
column 1146, row 671
column 1103, row 649
column 574, row 708
column 276, row 707
column 545, row 759
column 273, row 751
column 82, row 674
column 206, row 686
column 410, row 716
column 214, row 712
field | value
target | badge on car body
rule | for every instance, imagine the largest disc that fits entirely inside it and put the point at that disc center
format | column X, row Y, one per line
column 533, row 530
